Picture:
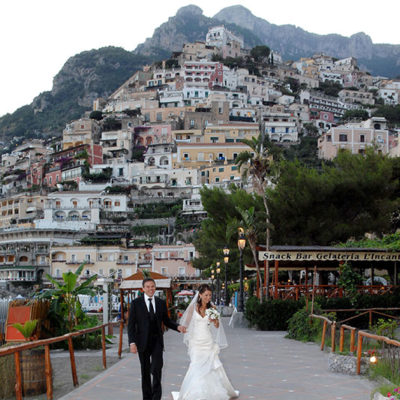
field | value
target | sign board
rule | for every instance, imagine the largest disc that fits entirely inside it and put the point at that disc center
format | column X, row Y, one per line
column 328, row 256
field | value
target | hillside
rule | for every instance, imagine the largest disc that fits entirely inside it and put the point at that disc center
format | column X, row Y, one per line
column 83, row 78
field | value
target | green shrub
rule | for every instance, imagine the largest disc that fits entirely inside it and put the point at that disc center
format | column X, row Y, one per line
column 302, row 327
column 271, row 315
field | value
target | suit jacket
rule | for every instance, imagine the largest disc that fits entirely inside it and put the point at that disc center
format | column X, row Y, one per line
column 139, row 321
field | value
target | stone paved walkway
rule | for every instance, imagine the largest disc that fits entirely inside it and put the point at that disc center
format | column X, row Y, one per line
column 261, row 365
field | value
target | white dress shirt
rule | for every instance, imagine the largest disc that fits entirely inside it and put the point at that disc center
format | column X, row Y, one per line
column 146, row 300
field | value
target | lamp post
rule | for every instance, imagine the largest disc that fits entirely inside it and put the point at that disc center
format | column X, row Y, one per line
column 218, row 270
column 241, row 246
column 226, row 260
column 212, row 282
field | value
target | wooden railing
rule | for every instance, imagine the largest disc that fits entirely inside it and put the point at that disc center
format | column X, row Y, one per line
column 16, row 350
column 295, row 292
column 361, row 335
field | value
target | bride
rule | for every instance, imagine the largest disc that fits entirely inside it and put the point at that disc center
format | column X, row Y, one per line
column 206, row 378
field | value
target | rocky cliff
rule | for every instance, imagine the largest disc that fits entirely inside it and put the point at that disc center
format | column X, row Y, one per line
column 294, row 42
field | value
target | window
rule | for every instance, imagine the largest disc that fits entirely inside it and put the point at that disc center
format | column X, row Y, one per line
column 117, row 203
column 163, row 270
column 186, row 156
column 159, row 117
column 121, row 172
column 87, row 257
column 328, row 138
column 73, row 257
column 342, row 138
column 181, row 271
column 362, row 138
column 221, row 169
column 192, row 123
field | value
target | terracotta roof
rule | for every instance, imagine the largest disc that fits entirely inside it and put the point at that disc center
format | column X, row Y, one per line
column 139, row 276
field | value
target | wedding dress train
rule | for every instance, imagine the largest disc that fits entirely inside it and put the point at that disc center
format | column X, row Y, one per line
column 206, row 378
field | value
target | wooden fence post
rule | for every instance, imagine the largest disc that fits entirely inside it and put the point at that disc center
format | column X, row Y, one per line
column 359, row 352
column 121, row 333
column 341, row 340
column 323, row 335
column 103, row 345
column 18, row 378
column 352, row 340
column 333, row 336
column 49, row 378
column 72, row 359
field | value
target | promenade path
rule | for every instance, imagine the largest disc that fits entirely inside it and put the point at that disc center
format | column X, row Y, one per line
column 261, row 365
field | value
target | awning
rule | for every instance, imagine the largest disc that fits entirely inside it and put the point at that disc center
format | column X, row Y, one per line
column 31, row 209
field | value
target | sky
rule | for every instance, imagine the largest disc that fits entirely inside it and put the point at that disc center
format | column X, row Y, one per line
column 38, row 36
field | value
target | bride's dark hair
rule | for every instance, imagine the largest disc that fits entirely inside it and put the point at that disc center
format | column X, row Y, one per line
column 203, row 288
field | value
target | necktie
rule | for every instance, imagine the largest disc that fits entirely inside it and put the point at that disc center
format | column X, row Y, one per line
column 151, row 309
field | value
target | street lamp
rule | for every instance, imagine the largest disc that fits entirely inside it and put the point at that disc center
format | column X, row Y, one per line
column 218, row 290
column 226, row 260
column 212, row 281
column 241, row 245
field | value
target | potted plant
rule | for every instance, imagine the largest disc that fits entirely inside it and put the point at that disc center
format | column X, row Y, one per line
column 32, row 361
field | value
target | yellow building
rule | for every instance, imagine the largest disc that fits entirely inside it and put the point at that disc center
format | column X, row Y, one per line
column 100, row 260
column 220, row 174
column 79, row 132
column 20, row 210
column 230, row 133
column 194, row 155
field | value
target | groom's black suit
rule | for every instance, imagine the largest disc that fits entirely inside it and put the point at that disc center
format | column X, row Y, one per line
column 145, row 330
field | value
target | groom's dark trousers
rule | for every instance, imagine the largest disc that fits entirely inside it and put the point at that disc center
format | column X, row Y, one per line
column 145, row 330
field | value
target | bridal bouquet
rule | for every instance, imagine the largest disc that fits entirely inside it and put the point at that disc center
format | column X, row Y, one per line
column 212, row 314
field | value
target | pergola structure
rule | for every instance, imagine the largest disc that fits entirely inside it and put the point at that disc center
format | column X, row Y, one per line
column 134, row 283
column 319, row 259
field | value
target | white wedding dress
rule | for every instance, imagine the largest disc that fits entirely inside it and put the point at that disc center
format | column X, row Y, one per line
column 206, row 378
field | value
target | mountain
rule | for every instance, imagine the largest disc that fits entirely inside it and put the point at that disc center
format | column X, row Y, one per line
column 83, row 78
column 187, row 26
column 97, row 73
column 293, row 42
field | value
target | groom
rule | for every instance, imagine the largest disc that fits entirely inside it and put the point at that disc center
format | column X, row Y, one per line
column 146, row 336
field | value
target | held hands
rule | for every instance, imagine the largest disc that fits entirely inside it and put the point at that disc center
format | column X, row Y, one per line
column 182, row 329
column 133, row 348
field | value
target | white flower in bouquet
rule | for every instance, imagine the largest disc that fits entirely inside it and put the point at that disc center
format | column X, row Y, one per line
column 212, row 314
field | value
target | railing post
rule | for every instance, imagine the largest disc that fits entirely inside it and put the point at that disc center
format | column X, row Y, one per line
column 103, row 345
column 49, row 378
column 323, row 335
column 72, row 359
column 18, row 379
column 370, row 318
column 341, row 340
column 352, row 340
column 121, row 334
column 359, row 352
column 333, row 336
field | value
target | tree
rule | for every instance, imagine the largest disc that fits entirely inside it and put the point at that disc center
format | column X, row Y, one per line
column 260, row 53
column 66, row 293
column 214, row 232
column 355, row 114
column 354, row 195
column 259, row 165
column 97, row 115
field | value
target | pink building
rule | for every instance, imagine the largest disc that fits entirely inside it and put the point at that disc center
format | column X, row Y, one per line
column 175, row 260
column 355, row 137
column 152, row 134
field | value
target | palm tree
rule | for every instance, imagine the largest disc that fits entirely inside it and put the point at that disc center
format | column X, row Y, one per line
column 259, row 165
